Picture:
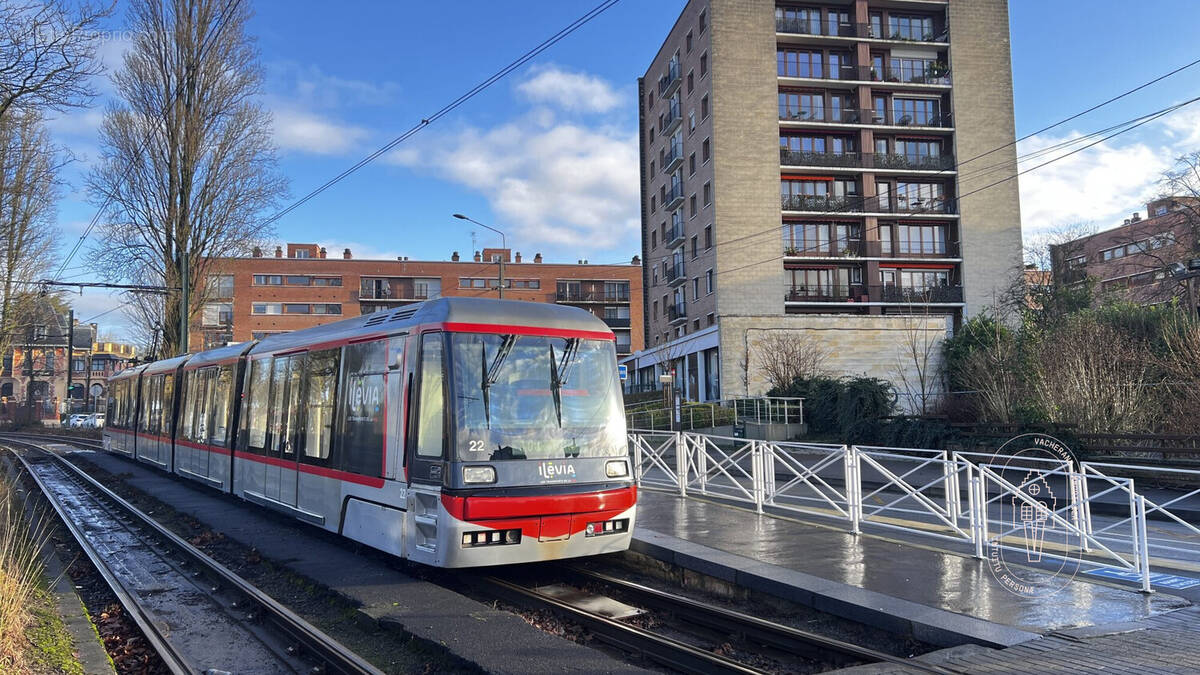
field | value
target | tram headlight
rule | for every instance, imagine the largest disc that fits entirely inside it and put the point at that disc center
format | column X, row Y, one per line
column 479, row 474
column 617, row 468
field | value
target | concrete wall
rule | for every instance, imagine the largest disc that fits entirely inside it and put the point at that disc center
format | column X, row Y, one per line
column 981, row 69
column 875, row 346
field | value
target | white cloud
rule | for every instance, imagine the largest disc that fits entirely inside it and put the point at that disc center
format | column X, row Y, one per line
column 315, row 88
column 561, row 185
column 311, row 133
column 358, row 250
column 1099, row 185
column 1183, row 127
column 577, row 92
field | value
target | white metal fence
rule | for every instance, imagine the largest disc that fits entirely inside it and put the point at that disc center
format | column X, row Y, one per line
column 964, row 497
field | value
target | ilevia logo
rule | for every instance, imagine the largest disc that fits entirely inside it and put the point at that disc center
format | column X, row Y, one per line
column 559, row 471
column 1035, row 538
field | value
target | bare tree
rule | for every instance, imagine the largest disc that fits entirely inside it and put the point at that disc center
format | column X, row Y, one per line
column 784, row 356
column 47, row 54
column 992, row 375
column 188, row 164
column 918, row 366
column 29, row 165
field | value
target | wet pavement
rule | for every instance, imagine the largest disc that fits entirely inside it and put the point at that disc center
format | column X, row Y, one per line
column 917, row 574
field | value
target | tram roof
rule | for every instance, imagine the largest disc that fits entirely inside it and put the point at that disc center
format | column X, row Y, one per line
column 219, row 355
column 470, row 311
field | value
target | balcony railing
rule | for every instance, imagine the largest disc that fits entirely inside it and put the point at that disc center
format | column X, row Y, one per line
column 674, row 235
column 393, row 294
column 676, row 273
column 814, row 27
column 674, row 197
column 673, row 158
column 865, row 116
column 861, row 30
column 863, row 293
column 590, row 296
column 933, row 73
column 866, row 160
column 668, row 82
column 864, row 30
column 617, row 323
column 941, row 249
column 677, row 313
column 671, row 120
column 820, row 203
column 624, row 348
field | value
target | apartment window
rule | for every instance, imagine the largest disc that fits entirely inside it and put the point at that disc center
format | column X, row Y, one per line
column 707, row 237
column 303, row 253
column 654, row 305
column 692, row 164
column 652, row 170
column 653, row 238
column 695, row 247
column 691, row 121
column 919, row 111
column 692, row 206
column 902, row 27
column 222, row 285
column 691, row 82
column 268, row 280
column 296, row 308
column 650, row 100
column 708, row 281
column 705, row 150
column 266, row 308
column 217, row 314
column 1077, row 261
column 297, row 280
column 652, row 204
column 712, row 318
column 707, row 194
column 703, row 20
column 922, row 239
column 703, row 64
column 704, row 107
column 327, row 281
column 1160, row 210
column 326, row 308
column 689, row 42
column 695, row 290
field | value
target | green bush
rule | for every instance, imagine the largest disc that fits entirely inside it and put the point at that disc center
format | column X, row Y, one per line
column 833, row 405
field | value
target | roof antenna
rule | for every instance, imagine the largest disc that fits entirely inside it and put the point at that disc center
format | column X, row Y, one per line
column 472, row 240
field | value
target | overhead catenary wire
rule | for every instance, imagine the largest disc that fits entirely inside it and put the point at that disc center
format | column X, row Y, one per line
column 451, row 106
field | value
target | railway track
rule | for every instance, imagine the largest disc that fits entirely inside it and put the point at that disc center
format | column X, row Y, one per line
column 197, row 614
column 769, row 640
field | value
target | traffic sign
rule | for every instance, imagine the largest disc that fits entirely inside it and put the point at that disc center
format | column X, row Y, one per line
column 623, row 371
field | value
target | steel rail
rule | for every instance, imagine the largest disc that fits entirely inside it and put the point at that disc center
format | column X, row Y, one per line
column 336, row 658
column 664, row 650
column 752, row 628
column 175, row 662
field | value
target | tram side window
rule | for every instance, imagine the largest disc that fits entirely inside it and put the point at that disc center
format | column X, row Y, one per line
column 256, row 411
column 283, row 406
column 361, row 416
column 148, row 401
column 319, row 407
column 168, row 400
column 221, row 388
column 202, row 406
column 112, row 410
column 187, row 406
column 430, row 409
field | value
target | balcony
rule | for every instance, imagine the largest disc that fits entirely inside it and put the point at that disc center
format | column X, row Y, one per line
column 667, row 84
column 910, row 250
column 833, row 115
column 864, row 30
column 906, row 206
column 577, row 295
column 866, row 160
column 822, row 203
column 858, row 293
column 616, row 323
column 675, row 236
column 676, row 274
column 673, row 159
column 624, row 348
column 674, row 197
column 789, row 157
column 677, row 314
column 814, row 27
column 933, row 73
column 671, row 120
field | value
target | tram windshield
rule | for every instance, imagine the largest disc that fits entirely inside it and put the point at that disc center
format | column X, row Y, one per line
column 530, row 397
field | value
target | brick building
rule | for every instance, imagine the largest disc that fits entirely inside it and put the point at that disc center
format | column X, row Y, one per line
column 303, row 286
column 799, row 173
column 33, row 377
column 1130, row 261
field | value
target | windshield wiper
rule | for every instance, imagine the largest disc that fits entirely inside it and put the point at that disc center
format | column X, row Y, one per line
column 560, row 372
column 492, row 373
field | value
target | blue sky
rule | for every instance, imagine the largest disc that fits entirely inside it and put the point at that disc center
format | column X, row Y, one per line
column 343, row 79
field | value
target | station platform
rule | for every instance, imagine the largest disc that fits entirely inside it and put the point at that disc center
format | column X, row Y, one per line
column 936, row 596
column 436, row 617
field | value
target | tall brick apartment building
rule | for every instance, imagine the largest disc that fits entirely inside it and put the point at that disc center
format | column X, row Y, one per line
column 264, row 294
column 1130, row 261
column 799, row 171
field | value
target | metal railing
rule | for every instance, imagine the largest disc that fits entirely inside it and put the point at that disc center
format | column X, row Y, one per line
column 964, row 498
column 865, row 160
column 837, row 115
column 722, row 412
column 850, row 248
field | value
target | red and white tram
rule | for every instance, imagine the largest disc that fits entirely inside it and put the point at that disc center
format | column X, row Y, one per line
column 455, row 432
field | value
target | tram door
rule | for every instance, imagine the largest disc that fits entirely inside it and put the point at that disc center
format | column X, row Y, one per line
column 282, row 464
column 426, row 449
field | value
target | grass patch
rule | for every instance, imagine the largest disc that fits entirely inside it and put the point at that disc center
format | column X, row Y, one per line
column 22, row 535
column 51, row 649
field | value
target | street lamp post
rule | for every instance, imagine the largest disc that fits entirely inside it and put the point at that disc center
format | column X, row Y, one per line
column 503, row 245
